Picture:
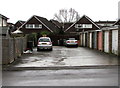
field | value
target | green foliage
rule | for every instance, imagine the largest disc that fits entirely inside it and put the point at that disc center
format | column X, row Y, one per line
column 45, row 33
column 31, row 36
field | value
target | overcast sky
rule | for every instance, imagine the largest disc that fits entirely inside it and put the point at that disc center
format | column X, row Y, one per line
column 24, row 9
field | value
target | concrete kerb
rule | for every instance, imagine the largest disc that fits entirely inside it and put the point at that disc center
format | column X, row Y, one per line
column 59, row 67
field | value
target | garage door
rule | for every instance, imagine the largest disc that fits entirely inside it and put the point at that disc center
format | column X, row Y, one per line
column 100, row 40
column 95, row 40
column 106, row 41
column 90, row 40
column 115, row 41
column 84, row 39
column 81, row 39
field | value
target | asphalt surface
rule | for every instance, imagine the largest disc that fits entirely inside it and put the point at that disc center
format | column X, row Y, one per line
column 79, row 77
column 63, row 56
column 62, row 67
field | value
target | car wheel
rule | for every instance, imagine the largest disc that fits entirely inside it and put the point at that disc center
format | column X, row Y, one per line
column 67, row 46
column 51, row 49
column 76, row 45
column 38, row 49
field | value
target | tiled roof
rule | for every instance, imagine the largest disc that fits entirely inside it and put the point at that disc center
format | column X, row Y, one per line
column 58, row 24
column 117, row 22
column 4, row 17
column 80, row 19
column 62, row 25
column 22, row 22
column 48, row 24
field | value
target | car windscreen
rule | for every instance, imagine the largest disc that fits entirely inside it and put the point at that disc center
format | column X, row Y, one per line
column 71, row 38
column 44, row 40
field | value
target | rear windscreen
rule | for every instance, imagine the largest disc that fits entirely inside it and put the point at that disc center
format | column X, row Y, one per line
column 71, row 38
column 44, row 40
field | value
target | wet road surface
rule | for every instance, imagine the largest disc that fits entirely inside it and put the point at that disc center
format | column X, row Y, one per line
column 79, row 77
column 63, row 56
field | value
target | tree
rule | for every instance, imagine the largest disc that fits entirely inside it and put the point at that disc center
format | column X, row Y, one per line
column 65, row 15
column 44, row 33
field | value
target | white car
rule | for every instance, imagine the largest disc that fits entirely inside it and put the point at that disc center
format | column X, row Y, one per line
column 71, row 42
column 44, row 43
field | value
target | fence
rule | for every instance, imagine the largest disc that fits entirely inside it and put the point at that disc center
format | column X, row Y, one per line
column 12, row 48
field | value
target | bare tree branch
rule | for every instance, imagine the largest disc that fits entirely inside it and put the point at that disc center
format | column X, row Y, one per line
column 65, row 15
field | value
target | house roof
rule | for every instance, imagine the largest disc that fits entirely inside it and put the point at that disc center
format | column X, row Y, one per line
column 17, row 32
column 66, row 25
column 46, row 23
column 19, row 23
column 4, row 17
column 22, row 22
column 62, row 25
column 105, row 22
column 80, row 19
column 102, row 24
column 58, row 24
column 50, row 26
column 117, row 22
column 10, row 23
column 110, row 28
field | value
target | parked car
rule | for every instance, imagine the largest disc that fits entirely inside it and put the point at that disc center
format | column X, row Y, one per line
column 71, row 42
column 44, row 43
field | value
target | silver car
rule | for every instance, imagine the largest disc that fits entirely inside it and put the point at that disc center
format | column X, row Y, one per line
column 71, row 42
column 44, row 43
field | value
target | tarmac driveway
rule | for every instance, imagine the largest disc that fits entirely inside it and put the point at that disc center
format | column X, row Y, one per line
column 63, row 56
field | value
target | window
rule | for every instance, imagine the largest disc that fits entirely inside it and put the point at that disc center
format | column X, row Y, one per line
column 38, row 26
column 109, row 24
column 101, row 24
column 3, row 22
column 83, row 26
column 87, row 25
column 78, row 25
column 34, row 26
column 29, row 25
column 105, row 24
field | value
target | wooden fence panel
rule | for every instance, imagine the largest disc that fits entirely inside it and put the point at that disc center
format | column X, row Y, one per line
column 12, row 48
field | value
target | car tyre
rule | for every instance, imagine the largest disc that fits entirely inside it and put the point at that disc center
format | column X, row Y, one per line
column 51, row 49
column 76, row 45
column 38, row 49
column 66, row 45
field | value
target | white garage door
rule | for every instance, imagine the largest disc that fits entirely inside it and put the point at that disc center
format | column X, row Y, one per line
column 84, row 39
column 106, row 41
column 81, row 39
column 115, row 41
column 90, row 40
